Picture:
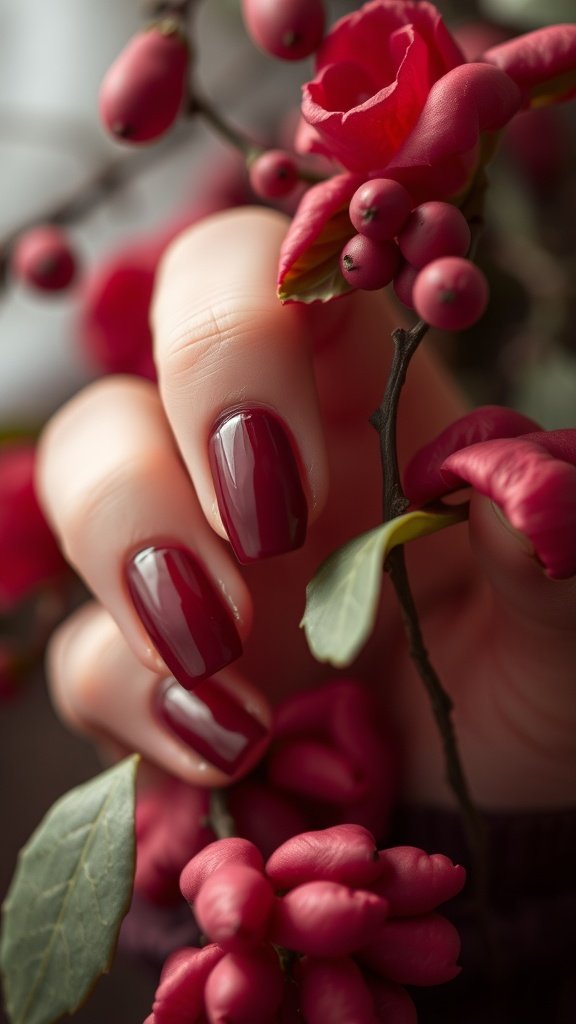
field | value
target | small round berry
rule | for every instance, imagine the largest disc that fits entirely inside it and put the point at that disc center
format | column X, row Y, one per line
column 367, row 264
column 43, row 259
column 450, row 293
column 142, row 92
column 434, row 229
column 380, row 208
column 274, row 174
column 288, row 29
column 404, row 283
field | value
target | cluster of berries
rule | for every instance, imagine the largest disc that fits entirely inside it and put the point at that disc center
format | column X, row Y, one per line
column 422, row 250
column 328, row 930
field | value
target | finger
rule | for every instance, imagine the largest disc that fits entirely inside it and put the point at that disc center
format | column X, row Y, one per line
column 241, row 390
column 119, row 498
column 101, row 689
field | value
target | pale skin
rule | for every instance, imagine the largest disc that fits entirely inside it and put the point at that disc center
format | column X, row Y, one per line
column 124, row 464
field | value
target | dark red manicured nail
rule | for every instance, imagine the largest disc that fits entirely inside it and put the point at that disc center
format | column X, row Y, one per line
column 211, row 722
column 183, row 613
column 257, row 482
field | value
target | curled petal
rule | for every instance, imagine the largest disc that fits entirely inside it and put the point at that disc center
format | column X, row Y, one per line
column 245, row 988
column 344, row 853
column 213, row 856
column 233, row 906
column 309, row 269
column 414, row 950
column 334, row 992
column 441, row 153
column 415, row 882
column 326, row 919
column 179, row 997
column 423, row 481
column 542, row 63
column 535, row 490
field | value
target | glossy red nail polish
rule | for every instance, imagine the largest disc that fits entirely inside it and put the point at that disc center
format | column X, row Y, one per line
column 183, row 613
column 257, row 483
column 211, row 722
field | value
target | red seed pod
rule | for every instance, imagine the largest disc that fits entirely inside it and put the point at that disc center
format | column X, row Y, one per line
column 433, row 230
column 380, row 208
column 344, row 853
column 415, row 882
column 233, row 906
column 414, row 950
column 450, row 293
column 334, row 991
column 245, row 988
column 180, row 994
column 143, row 91
column 214, row 856
column 367, row 264
column 288, row 29
column 326, row 919
column 43, row 258
column 391, row 1002
column 274, row 174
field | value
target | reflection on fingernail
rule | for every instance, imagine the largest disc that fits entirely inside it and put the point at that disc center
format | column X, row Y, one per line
column 211, row 722
column 183, row 613
column 257, row 482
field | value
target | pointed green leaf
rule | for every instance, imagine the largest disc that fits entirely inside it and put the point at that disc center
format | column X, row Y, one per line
column 71, row 889
column 342, row 598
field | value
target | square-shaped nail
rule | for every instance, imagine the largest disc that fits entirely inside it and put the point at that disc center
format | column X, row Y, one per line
column 183, row 612
column 258, row 486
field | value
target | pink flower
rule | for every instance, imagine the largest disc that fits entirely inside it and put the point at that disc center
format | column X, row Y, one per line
column 29, row 555
column 530, row 474
column 374, row 72
column 347, row 949
column 542, row 63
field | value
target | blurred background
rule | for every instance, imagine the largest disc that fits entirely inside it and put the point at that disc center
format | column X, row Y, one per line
column 52, row 59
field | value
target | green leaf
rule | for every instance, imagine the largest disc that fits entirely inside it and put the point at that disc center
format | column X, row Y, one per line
column 71, row 889
column 342, row 598
column 316, row 276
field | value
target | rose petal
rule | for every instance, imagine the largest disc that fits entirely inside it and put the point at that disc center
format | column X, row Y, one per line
column 535, row 490
column 423, row 481
column 542, row 63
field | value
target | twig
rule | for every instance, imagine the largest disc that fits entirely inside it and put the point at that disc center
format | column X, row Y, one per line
column 219, row 817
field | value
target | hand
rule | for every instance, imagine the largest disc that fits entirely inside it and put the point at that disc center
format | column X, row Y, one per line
column 124, row 467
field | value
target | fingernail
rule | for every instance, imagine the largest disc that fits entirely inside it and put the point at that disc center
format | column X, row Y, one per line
column 183, row 613
column 258, row 488
column 211, row 722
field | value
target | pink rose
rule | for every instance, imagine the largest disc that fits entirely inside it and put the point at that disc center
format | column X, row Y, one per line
column 374, row 72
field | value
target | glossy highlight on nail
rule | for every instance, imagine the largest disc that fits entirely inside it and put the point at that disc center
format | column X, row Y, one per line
column 211, row 722
column 257, row 482
column 183, row 612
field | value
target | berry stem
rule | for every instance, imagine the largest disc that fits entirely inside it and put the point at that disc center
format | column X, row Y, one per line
column 219, row 817
column 199, row 105
column 395, row 503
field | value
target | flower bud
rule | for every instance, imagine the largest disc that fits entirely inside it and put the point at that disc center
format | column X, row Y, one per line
column 326, row 919
column 334, row 991
column 414, row 882
column 180, row 994
column 233, row 906
column 414, row 950
column 343, row 853
column 214, row 856
column 143, row 91
column 245, row 988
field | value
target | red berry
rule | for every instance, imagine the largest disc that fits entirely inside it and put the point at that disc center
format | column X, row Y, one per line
column 274, row 174
column 233, row 906
column 379, row 208
column 368, row 264
column 43, row 259
column 450, row 293
column 434, row 229
column 143, row 91
column 288, row 29
column 404, row 283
